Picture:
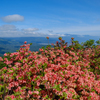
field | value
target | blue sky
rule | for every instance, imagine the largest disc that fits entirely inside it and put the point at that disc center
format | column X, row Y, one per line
column 53, row 18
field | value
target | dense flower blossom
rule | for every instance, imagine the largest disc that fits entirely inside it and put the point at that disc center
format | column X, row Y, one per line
column 52, row 73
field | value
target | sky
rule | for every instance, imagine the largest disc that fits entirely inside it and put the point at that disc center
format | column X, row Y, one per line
column 53, row 18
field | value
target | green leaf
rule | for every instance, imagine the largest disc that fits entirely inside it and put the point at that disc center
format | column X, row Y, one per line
column 17, row 93
column 17, row 50
column 30, row 43
column 65, row 95
column 38, row 77
column 38, row 89
column 20, row 78
column 92, row 89
column 71, row 75
column 89, row 98
column 57, row 87
column 46, row 97
column 8, row 98
column 24, row 87
column 29, row 77
column 99, row 66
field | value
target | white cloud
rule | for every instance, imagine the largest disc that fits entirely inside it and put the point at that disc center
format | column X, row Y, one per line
column 9, row 31
column 56, row 35
column 13, row 18
column 30, row 29
column 12, row 31
column 80, row 30
column 7, row 28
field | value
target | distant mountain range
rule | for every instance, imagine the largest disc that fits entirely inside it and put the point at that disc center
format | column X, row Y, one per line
column 11, row 44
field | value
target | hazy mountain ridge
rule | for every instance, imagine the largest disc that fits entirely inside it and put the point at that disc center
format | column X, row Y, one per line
column 11, row 44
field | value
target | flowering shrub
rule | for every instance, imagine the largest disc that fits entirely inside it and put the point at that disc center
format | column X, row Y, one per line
column 59, row 73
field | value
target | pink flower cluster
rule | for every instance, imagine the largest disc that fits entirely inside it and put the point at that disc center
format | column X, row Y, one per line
column 52, row 73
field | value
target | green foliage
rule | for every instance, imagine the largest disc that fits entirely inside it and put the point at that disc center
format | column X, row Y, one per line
column 76, row 45
column 89, row 43
column 98, row 42
column 2, row 64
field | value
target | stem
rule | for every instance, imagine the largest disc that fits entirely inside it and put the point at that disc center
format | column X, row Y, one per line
column 4, row 91
column 48, row 42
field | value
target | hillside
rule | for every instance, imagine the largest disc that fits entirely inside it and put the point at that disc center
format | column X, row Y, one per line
column 13, row 44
